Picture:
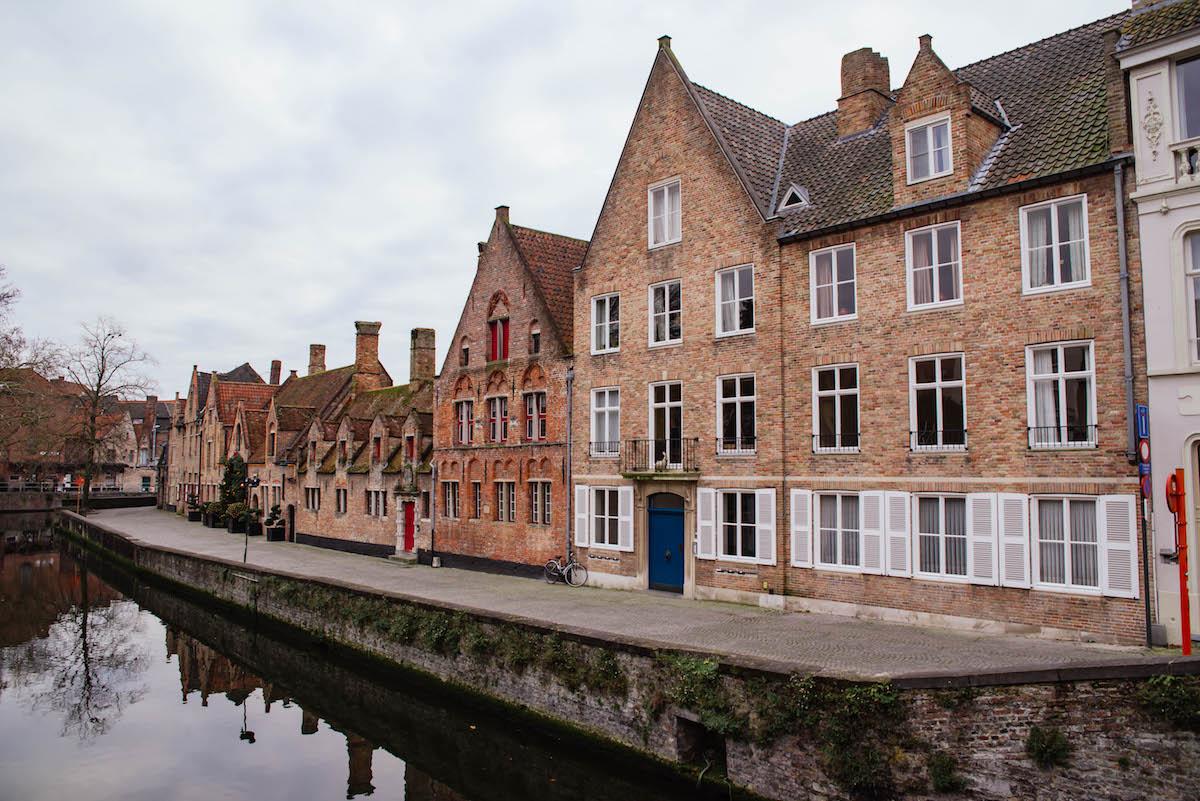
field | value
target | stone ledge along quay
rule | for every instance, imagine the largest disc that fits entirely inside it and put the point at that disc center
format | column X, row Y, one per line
column 763, row 692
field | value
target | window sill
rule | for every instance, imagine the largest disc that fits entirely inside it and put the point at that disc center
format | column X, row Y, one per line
column 738, row 454
column 737, row 560
column 913, row 181
column 1053, row 288
column 1083, row 446
column 606, row 352
column 1062, row 589
column 823, row 321
column 660, row 245
column 931, row 307
column 595, row 455
column 607, row 548
column 671, row 343
column 851, row 569
column 729, row 334
column 836, row 451
column 943, row 579
column 938, row 449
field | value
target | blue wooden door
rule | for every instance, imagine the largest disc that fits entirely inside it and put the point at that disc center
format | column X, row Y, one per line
column 666, row 547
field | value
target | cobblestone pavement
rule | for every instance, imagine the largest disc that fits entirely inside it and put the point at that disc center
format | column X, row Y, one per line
column 827, row 645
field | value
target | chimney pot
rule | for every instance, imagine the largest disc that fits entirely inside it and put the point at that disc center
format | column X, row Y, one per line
column 276, row 367
column 421, row 354
column 664, row 42
column 926, row 41
column 366, row 355
column 316, row 359
column 292, row 374
column 502, row 213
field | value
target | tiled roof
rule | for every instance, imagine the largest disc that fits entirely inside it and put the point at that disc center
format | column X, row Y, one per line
column 315, row 391
column 1158, row 22
column 256, row 435
column 552, row 258
column 202, row 382
column 389, row 401
column 293, row 418
column 1053, row 92
column 253, row 396
column 243, row 373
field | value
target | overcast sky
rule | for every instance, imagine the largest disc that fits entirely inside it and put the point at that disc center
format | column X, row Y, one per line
column 234, row 179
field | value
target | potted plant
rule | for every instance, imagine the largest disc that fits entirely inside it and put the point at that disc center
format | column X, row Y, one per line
column 235, row 518
column 274, row 525
column 254, row 522
column 215, row 514
column 193, row 509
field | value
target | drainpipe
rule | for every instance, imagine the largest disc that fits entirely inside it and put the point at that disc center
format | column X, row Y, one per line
column 569, row 487
column 1127, row 335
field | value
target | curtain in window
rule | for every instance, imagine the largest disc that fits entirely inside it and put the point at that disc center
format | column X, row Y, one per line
column 922, row 262
column 1070, row 235
column 673, row 212
column 1045, row 398
column 829, row 531
column 658, row 217
column 1052, row 556
column 947, row 264
column 941, row 147
column 930, row 543
column 956, row 536
column 850, row 530
column 1085, row 569
column 1041, row 249
column 660, row 310
column 729, row 301
column 824, row 284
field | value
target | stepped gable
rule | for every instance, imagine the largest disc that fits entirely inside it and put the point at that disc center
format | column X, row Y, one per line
column 552, row 258
column 1157, row 22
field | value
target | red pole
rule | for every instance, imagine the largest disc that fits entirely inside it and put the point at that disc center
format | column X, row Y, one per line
column 1177, row 503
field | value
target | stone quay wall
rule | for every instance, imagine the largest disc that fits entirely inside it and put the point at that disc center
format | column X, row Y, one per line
column 1123, row 732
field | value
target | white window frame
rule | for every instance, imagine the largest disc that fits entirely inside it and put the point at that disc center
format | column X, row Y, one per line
column 1191, row 277
column 539, row 501
column 651, row 314
column 1035, row 543
column 606, row 298
column 665, row 406
column 837, row 392
column 832, row 252
column 1026, row 268
column 312, row 499
column 450, row 499
column 1092, row 441
column 908, row 267
column 720, row 332
column 613, row 505
column 928, row 123
column 722, row 522
column 608, row 448
column 938, row 385
column 737, row 400
column 341, row 497
column 818, row 562
column 477, row 499
column 1180, row 101
column 506, row 500
column 942, row 575
column 664, row 187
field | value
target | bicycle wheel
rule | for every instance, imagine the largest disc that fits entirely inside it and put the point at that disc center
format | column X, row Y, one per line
column 575, row 574
column 551, row 572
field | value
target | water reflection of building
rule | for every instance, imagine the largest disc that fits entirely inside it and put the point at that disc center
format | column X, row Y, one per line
column 203, row 670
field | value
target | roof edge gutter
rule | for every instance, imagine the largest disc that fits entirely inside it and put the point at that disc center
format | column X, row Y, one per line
column 959, row 199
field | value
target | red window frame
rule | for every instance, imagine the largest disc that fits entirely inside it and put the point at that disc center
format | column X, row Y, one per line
column 464, row 433
column 498, row 340
column 378, row 448
column 535, row 416
column 412, row 446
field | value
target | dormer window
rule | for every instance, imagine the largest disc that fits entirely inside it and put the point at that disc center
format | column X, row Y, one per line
column 665, row 225
column 796, row 197
column 928, row 149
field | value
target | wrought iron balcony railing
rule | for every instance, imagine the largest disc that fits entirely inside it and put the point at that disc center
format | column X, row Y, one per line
column 659, row 455
column 737, row 446
column 938, row 439
column 1066, row 436
column 836, row 442
column 606, row 449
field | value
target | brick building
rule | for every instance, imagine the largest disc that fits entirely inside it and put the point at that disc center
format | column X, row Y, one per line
column 875, row 362
column 500, row 428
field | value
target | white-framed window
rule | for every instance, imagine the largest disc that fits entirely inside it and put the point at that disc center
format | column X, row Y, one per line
column 506, row 501
column 735, row 411
column 839, row 530
column 1067, row 539
column 929, row 151
column 450, row 499
column 832, row 279
column 376, row 502
column 606, row 323
column 476, row 499
column 666, row 423
column 738, row 532
column 312, row 498
column 666, row 313
column 835, row 409
column 498, row 419
column 941, row 529
column 341, row 500
column 735, row 300
column 1054, row 244
column 464, row 414
column 1061, row 394
column 539, row 502
column 605, row 516
column 934, row 266
column 1187, row 79
column 936, row 403
column 606, row 421
column 664, row 204
column 1191, row 268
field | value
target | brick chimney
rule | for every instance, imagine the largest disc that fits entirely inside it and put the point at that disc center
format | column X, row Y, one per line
column 421, row 354
column 150, row 411
column 502, row 214
column 866, row 91
column 292, row 375
column 367, row 369
column 276, row 368
column 316, row 359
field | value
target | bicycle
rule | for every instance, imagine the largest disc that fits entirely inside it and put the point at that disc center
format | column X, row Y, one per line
column 573, row 573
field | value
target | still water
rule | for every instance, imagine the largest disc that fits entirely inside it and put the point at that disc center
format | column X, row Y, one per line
column 110, row 689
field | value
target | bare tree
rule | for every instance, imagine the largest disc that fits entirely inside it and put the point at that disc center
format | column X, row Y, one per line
column 108, row 367
column 28, row 402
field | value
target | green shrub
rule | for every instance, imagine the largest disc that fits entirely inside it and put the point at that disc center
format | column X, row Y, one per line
column 1047, row 747
column 1173, row 699
column 942, row 773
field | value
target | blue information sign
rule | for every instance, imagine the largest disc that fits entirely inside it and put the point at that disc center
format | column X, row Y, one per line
column 1143, row 420
column 1144, row 468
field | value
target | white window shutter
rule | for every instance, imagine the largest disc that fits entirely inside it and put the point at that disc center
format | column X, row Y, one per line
column 801, row 528
column 582, row 497
column 764, row 525
column 896, row 520
column 1013, row 525
column 1117, row 529
column 625, row 518
column 981, row 538
column 871, row 526
column 706, row 524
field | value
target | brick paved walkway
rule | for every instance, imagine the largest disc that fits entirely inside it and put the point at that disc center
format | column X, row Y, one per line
column 827, row 645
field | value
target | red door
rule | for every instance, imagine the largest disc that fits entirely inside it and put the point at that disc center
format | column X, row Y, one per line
column 408, row 527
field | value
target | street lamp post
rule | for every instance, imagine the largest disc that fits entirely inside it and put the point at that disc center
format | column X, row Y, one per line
column 251, row 483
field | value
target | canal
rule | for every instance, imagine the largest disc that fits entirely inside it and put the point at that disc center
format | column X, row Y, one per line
column 114, row 689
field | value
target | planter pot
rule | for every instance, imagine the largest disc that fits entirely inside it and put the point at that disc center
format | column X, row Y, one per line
column 236, row 526
column 276, row 533
column 206, row 519
column 254, row 528
column 193, row 515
